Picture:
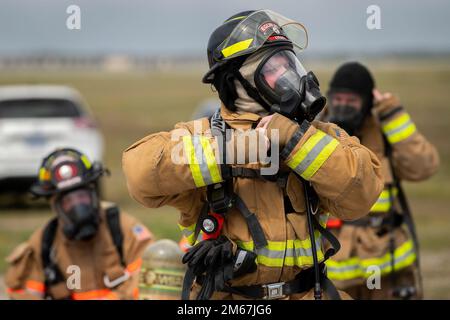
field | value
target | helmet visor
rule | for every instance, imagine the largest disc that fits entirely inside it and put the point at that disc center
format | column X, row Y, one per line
column 258, row 28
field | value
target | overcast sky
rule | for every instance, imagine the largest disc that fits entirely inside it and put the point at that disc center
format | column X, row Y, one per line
column 183, row 26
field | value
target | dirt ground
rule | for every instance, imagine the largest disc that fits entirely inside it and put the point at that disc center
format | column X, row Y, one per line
column 130, row 106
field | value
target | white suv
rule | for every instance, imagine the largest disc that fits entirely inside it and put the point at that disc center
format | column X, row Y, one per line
column 34, row 121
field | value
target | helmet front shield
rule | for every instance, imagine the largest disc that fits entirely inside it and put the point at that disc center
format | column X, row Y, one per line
column 258, row 28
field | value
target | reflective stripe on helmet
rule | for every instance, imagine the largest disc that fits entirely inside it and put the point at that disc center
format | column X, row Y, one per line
column 237, row 47
column 86, row 162
column 313, row 154
column 202, row 160
column 399, row 129
column 356, row 267
column 235, row 18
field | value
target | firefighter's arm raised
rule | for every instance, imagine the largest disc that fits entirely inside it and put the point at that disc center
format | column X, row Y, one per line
column 414, row 157
column 167, row 167
column 346, row 175
column 163, row 169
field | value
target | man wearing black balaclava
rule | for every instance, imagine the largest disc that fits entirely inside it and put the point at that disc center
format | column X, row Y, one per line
column 383, row 243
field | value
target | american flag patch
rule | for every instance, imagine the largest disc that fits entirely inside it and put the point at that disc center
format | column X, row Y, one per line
column 141, row 233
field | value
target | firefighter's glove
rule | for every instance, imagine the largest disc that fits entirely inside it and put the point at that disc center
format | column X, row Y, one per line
column 195, row 257
column 215, row 258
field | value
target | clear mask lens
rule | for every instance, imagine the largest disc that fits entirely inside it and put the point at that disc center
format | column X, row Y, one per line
column 75, row 198
column 282, row 72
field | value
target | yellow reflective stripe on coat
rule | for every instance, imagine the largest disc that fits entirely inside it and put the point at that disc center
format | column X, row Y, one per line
column 384, row 203
column 202, row 160
column 355, row 267
column 189, row 234
column 399, row 129
column 313, row 154
column 237, row 47
column 285, row 253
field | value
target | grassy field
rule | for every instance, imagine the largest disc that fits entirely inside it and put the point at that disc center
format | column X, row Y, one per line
column 132, row 105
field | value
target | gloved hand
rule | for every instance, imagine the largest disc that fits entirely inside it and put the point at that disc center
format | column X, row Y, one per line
column 215, row 258
column 285, row 126
column 195, row 257
column 384, row 102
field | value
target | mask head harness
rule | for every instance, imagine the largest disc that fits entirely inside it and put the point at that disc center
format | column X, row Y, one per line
column 70, row 177
column 250, row 32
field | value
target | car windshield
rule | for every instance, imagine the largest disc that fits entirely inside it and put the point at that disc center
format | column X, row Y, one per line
column 38, row 108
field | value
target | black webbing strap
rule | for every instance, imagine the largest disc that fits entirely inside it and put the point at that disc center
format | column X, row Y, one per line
column 329, row 287
column 52, row 273
column 293, row 142
column 218, row 127
column 203, row 214
column 218, row 130
column 297, row 285
column 303, row 282
column 253, row 224
column 329, row 236
column 248, row 173
column 390, row 113
column 312, row 201
column 113, row 219
column 241, row 172
column 188, row 281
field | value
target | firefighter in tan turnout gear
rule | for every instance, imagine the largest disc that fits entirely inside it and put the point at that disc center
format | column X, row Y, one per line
column 89, row 251
column 383, row 243
column 251, row 228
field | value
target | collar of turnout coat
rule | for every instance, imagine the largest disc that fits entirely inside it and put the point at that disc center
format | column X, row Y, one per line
column 242, row 120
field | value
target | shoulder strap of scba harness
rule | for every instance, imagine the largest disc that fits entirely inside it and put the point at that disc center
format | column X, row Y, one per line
column 312, row 207
column 52, row 273
column 221, row 197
